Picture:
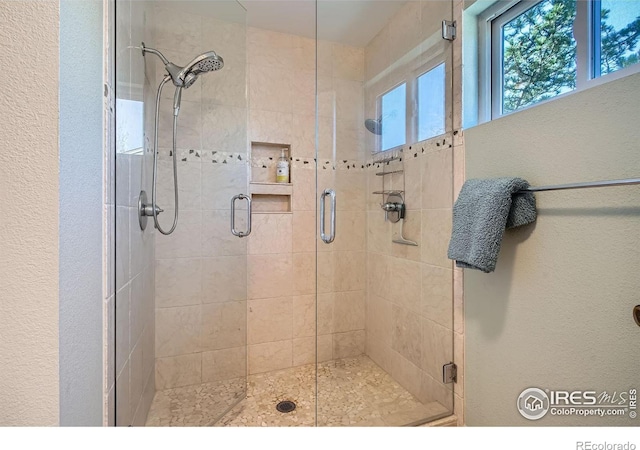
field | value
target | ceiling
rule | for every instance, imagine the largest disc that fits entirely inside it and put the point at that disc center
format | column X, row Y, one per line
column 352, row 22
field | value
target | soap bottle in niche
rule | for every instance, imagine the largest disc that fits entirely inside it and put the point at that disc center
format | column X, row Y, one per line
column 282, row 169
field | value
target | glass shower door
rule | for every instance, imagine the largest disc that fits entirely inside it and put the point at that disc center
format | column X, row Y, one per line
column 384, row 303
column 181, row 302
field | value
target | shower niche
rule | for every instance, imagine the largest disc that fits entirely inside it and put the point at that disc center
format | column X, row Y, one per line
column 267, row 195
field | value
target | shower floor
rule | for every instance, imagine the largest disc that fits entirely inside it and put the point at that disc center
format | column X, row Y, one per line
column 352, row 392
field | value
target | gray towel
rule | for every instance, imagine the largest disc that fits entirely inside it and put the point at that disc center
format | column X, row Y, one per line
column 484, row 209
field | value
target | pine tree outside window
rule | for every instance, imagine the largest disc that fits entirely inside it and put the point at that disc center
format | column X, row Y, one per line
column 542, row 49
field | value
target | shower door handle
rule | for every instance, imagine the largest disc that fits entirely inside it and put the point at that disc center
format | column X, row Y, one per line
column 332, row 232
column 233, row 215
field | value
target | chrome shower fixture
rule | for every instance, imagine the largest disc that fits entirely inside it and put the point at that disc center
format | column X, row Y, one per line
column 374, row 125
column 187, row 75
column 182, row 78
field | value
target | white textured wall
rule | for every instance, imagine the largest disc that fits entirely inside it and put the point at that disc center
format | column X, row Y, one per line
column 29, row 214
column 556, row 313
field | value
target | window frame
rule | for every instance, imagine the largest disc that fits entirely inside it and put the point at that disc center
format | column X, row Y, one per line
column 406, row 117
column 423, row 70
column 411, row 101
column 586, row 34
column 515, row 9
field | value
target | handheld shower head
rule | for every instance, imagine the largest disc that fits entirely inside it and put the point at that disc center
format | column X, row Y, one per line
column 206, row 62
column 184, row 77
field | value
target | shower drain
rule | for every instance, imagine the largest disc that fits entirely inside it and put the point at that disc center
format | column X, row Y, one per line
column 286, row 406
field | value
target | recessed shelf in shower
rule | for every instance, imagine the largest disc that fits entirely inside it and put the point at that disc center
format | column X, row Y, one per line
column 389, row 192
column 267, row 195
column 271, row 188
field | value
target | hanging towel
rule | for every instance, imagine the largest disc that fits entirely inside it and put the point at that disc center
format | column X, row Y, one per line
column 484, row 209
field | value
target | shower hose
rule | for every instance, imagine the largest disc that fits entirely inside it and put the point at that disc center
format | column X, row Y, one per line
column 155, row 164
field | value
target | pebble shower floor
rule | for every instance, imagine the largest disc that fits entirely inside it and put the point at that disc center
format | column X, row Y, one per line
column 352, row 392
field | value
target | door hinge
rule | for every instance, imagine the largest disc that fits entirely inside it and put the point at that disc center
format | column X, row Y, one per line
column 449, row 30
column 449, row 373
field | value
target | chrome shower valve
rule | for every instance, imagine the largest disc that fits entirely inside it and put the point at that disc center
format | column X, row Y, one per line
column 148, row 210
column 393, row 206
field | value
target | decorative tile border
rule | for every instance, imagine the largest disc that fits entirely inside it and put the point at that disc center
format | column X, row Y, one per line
column 408, row 151
column 309, row 163
column 218, row 157
column 210, row 156
column 412, row 150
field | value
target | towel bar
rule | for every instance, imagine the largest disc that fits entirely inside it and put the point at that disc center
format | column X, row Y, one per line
column 590, row 184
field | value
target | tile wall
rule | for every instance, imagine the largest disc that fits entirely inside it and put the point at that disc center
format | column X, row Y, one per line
column 201, row 269
column 414, row 295
column 130, row 362
column 282, row 247
column 271, row 275
column 342, row 264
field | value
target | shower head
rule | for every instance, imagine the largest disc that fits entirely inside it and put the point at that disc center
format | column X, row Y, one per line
column 184, row 77
column 374, row 125
column 206, row 62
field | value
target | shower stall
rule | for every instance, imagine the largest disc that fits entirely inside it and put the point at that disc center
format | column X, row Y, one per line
column 241, row 301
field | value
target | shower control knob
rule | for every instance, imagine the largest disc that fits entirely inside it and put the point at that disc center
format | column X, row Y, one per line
column 148, row 210
column 391, row 206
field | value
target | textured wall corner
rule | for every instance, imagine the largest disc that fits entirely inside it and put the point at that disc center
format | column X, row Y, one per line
column 29, row 214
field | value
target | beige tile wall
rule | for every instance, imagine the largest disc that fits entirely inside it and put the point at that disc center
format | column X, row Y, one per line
column 201, row 269
column 130, row 362
column 282, row 247
column 213, row 288
column 409, row 297
column 414, row 295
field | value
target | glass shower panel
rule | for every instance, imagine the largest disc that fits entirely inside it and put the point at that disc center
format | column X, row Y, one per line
column 181, row 303
column 385, row 308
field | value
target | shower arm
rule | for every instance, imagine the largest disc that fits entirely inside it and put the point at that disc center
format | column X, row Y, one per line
column 146, row 49
column 178, row 74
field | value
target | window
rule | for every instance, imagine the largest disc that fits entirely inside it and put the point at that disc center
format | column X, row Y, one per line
column 537, row 58
column 542, row 49
column 413, row 110
column 130, row 125
column 617, row 43
column 431, row 103
column 393, row 117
